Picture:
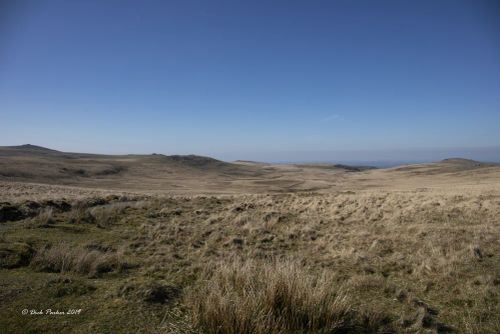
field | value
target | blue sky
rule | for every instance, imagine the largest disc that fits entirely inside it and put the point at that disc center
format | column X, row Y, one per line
column 263, row 80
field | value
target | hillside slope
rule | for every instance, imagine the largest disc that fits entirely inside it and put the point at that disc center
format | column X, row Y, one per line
column 192, row 174
column 29, row 163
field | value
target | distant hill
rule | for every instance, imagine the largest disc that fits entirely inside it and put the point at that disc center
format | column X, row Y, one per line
column 193, row 174
column 449, row 165
column 40, row 164
column 252, row 163
column 354, row 168
column 26, row 149
column 464, row 162
column 348, row 168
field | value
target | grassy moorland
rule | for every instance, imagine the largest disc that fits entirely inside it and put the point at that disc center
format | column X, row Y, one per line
column 410, row 249
column 286, row 263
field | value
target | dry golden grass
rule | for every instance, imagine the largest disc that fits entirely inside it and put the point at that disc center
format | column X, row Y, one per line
column 404, row 250
column 44, row 218
column 63, row 258
column 426, row 258
column 282, row 297
column 17, row 192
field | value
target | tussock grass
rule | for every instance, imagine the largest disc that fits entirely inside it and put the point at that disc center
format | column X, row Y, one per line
column 80, row 214
column 102, row 216
column 63, row 258
column 260, row 298
column 373, row 261
column 45, row 218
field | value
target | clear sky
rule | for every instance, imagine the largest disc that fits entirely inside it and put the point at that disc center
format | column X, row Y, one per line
column 262, row 80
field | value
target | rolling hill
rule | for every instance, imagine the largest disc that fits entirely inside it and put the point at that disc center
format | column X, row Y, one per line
column 192, row 174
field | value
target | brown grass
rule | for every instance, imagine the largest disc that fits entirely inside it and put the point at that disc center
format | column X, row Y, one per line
column 412, row 261
column 44, row 219
column 101, row 215
column 62, row 258
column 258, row 298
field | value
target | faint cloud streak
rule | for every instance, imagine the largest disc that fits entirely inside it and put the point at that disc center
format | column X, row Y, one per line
column 330, row 117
